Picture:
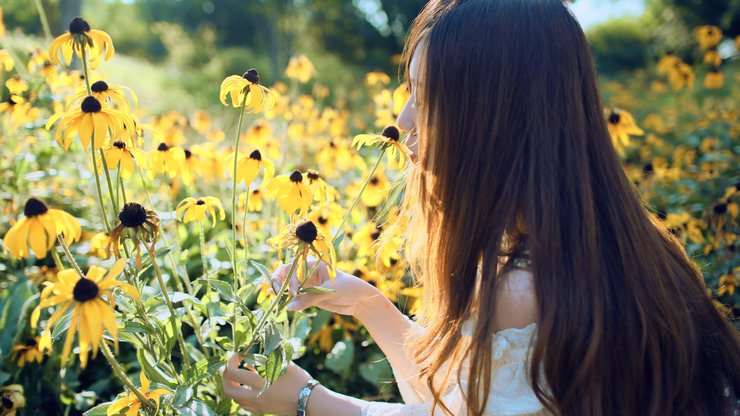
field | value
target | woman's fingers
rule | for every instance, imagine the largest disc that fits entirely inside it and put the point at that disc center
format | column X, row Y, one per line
column 250, row 378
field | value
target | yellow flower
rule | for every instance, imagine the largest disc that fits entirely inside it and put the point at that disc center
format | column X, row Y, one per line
column 300, row 68
column 105, row 93
column 304, row 238
column 98, row 44
column 681, row 76
column 621, row 125
column 191, row 209
column 247, row 167
column 667, row 63
column 28, row 351
column 398, row 153
column 376, row 192
column 329, row 215
column 6, row 61
column 91, row 313
column 247, row 87
column 400, row 96
column 365, row 239
column 708, row 36
column 377, row 77
column 166, row 159
column 38, row 230
column 255, row 200
column 98, row 243
column 11, row 396
column 119, row 152
column 322, row 191
column 91, row 120
column 728, row 283
column 338, row 155
column 132, row 403
column 291, row 192
column 712, row 58
column 16, row 85
column 713, row 80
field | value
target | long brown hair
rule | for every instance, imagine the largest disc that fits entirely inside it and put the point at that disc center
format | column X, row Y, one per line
column 513, row 141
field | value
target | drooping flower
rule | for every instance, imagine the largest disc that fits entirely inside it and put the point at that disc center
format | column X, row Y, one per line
column 6, row 61
column 300, row 68
column 119, row 152
column 708, row 36
column 336, row 156
column 16, row 85
column 27, row 351
column 98, row 244
column 247, row 167
column 712, row 58
column 327, row 216
column 91, row 312
column 39, row 229
column 322, row 191
column 91, row 119
column 292, row 193
column 166, row 159
column 681, row 76
column 132, row 404
column 108, row 93
column 304, row 238
column 255, row 199
column 138, row 224
column 714, row 79
column 621, row 125
column 97, row 44
column 246, row 89
column 398, row 153
column 191, row 209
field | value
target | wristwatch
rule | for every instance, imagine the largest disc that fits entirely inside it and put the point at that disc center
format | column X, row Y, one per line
column 303, row 396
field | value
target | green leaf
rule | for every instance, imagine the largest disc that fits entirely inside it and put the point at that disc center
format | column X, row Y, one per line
column 337, row 241
column 196, row 408
column 376, row 370
column 264, row 271
column 99, row 410
column 183, row 394
column 272, row 369
column 152, row 370
column 224, row 289
column 316, row 289
column 340, row 358
column 272, row 338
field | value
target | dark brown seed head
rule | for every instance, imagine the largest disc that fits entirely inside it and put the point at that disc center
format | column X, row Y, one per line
column 78, row 26
column 252, row 76
column 256, row 155
column 85, row 290
column 614, row 117
column 312, row 175
column 90, row 105
column 163, row 147
column 296, row 176
column 132, row 215
column 34, row 207
column 307, row 232
column 119, row 144
column 391, row 132
column 99, row 86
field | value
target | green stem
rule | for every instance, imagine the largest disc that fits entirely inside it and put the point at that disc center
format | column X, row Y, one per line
column 204, row 260
column 244, row 225
column 97, row 185
column 163, row 288
column 111, row 190
column 44, row 20
column 123, row 189
column 123, row 377
column 274, row 303
column 69, row 255
column 19, row 66
column 235, row 284
column 57, row 260
column 85, row 71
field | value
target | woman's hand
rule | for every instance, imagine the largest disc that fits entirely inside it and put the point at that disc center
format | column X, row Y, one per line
column 243, row 386
column 349, row 293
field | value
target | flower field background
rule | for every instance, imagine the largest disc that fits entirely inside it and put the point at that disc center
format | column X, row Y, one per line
column 139, row 241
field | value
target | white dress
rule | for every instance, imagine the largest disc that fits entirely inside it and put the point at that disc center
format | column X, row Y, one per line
column 510, row 395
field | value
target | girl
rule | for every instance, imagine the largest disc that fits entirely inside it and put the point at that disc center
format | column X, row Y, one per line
column 548, row 287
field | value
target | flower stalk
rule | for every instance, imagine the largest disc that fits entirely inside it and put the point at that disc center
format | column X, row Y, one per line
column 118, row 371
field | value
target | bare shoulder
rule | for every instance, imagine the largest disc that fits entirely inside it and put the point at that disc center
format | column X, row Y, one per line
column 516, row 300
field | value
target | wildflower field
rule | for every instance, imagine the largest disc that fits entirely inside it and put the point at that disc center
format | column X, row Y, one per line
column 138, row 248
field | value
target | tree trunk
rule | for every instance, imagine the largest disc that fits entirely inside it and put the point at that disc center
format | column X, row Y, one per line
column 68, row 10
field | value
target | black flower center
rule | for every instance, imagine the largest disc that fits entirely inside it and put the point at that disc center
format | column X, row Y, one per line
column 296, row 177
column 99, row 86
column 85, row 290
column 200, row 202
column 323, row 220
column 252, row 76
column 30, row 343
column 91, row 105
column 374, row 180
column 34, row 207
column 394, row 261
column 312, row 175
column 132, row 215
column 119, row 144
column 256, row 155
column 188, row 154
column 720, row 208
column 332, row 144
column 375, row 235
column 614, row 117
column 307, row 232
column 78, row 26
column 7, row 403
column 391, row 132
column 647, row 169
column 163, row 147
